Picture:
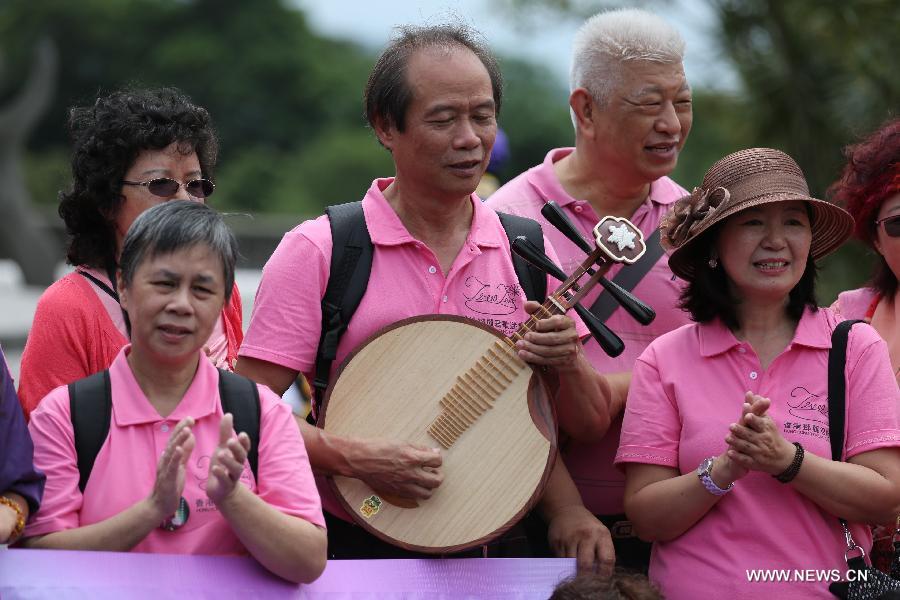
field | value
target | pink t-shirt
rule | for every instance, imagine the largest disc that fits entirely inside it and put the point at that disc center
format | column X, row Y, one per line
column 406, row 281
column 687, row 388
column 125, row 469
column 601, row 485
column 856, row 304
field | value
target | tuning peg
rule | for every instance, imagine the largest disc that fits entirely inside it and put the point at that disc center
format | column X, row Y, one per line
column 554, row 213
column 641, row 313
column 527, row 250
column 609, row 341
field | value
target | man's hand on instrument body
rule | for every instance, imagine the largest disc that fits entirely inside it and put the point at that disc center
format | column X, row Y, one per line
column 553, row 342
column 398, row 468
column 575, row 533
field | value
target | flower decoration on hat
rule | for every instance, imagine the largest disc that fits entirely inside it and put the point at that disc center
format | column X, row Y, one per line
column 690, row 214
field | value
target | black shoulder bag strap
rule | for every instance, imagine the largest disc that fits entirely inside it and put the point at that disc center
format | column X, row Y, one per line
column 532, row 279
column 837, row 387
column 628, row 277
column 837, row 401
column 351, row 263
column 90, row 405
column 110, row 291
column 240, row 397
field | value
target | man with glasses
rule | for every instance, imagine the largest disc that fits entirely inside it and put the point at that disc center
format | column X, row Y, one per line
column 432, row 101
column 631, row 108
column 133, row 149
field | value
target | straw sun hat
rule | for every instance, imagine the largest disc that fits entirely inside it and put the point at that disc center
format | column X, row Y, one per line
column 740, row 180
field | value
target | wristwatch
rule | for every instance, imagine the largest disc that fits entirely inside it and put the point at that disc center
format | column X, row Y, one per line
column 703, row 472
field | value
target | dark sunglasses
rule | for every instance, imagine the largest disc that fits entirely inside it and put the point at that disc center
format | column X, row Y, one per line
column 166, row 187
column 891, row 225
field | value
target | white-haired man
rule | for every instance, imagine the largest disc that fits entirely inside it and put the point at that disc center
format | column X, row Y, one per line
column 631, row 107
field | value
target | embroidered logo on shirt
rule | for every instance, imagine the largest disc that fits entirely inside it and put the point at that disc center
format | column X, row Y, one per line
column 811, row 412
column 808, row 406
column 487, row 299
column 205, row 505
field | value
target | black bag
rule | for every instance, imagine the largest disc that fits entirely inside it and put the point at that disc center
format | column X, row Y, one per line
column 869, row 583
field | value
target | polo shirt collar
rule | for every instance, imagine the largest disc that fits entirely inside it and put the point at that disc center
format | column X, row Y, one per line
column 386, row 229
column 813, row 331
column 549, row 187
column 131, row 407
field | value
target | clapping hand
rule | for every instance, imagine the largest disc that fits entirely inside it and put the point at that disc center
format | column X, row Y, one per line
column 170, row 470
column 755, row 442
column 227, row 462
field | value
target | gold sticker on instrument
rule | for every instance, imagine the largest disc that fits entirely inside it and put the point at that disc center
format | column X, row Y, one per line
column 370, row 507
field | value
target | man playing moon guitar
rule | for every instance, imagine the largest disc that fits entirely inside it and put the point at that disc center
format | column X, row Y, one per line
column 432, row 101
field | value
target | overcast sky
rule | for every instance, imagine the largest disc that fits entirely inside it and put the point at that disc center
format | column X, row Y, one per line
column 548, row 41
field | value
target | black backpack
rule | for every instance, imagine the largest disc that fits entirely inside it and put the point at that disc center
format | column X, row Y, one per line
column 351, row 263
column 90, row 402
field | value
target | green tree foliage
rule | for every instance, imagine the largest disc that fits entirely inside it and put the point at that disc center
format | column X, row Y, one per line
column 816, row 76
column 282, row 97
column 287, row 102
column 534, row 115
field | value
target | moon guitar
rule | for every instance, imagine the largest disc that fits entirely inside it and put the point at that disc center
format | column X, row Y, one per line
column 455, row 383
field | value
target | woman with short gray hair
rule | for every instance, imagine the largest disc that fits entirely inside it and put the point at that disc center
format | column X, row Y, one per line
column 171, row 474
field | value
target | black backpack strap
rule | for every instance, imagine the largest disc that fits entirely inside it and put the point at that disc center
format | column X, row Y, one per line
column 351, row 263
column 628, row 277
column 837, row 386
column 532, row 279
column 90, row 405
column 240, row 397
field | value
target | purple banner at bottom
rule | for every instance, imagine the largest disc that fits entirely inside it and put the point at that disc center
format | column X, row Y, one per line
column 56, row 574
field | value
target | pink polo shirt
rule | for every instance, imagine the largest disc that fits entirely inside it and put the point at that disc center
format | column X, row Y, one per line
column 125, row 469
column 689, row 385
column 406, row 281
column 601, row 485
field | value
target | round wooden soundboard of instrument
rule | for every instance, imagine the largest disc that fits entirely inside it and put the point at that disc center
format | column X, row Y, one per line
column 428, row 381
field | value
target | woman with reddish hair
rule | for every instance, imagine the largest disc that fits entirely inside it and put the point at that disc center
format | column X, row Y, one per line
column 870, row 190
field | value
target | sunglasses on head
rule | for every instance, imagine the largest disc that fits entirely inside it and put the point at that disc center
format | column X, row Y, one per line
column 891, row 225
column 166, row 187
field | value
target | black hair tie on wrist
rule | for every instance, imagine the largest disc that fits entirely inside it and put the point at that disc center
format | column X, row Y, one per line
column 788, row 474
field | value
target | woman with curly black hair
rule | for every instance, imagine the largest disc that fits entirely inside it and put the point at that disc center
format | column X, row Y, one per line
column 133, row 149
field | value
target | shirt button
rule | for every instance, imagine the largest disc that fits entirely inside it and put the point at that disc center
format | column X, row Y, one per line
column 753, row 374
column 444, row 299
column 742, row 350
column 164, row 428
column 432, row 269
column 578, row 208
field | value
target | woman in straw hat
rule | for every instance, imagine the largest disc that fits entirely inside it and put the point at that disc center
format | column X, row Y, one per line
column 725, row 441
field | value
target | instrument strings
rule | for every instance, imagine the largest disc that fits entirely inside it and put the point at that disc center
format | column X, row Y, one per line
column 477, row 389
